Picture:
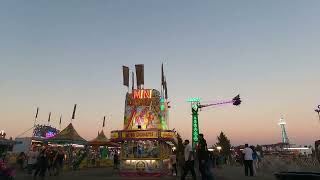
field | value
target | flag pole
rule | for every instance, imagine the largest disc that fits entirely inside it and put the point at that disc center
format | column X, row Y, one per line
column 49, row 118
column 60, row 122
column 132, row 80
column 74, row 112
column 35, row 120
column 104, row 121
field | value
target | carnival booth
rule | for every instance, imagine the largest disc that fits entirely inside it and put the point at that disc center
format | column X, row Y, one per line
column 146, row 141
column 5, row 144
column 102, row 140
column 73, row 144
column 102, row 150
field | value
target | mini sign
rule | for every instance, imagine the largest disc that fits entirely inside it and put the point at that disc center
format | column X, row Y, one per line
column 142, row 94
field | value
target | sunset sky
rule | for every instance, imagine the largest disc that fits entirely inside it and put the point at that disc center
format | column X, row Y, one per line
column 54, row 54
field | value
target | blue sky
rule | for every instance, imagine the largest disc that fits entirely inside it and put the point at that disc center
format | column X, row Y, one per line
column 57, row 53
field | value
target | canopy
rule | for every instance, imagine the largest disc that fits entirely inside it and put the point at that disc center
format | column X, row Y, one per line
column 6, row 142
column 68, row 136
column 102, row 140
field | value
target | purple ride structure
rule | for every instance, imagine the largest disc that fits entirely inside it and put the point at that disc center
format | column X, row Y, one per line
column 146, row 141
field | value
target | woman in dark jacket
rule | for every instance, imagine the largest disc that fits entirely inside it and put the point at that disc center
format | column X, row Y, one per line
column 42, row 164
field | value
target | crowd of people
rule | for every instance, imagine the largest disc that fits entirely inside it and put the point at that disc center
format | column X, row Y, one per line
column 251, row 159
column 42, row 160
column 204, row 160
column 46, row 160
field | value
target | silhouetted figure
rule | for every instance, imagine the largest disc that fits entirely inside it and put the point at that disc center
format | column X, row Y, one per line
column 203, row 158
column 32, row 159
column 247, row 152
column 21, row 159
column 189, row 161
column 173, row 161
column 58, row 161
column 42, row 164
column 115, row 160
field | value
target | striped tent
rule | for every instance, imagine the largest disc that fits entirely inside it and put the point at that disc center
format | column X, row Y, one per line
column 102, row 140
column 68, row 136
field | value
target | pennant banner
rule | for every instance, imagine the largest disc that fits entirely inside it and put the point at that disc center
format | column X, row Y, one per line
column 162, row 75
column 140, row 74
column 37, row 112
column 165, row 89
column 132, row 76
column 125, row 71
column 74, row 111
column 49, row 117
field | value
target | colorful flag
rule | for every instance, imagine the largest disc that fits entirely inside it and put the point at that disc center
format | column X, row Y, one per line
column 74, row 111
column 140, row 74
column 125, row 71
column 104, row 121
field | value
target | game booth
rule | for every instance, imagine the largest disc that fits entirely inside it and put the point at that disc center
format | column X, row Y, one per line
column 146, row 142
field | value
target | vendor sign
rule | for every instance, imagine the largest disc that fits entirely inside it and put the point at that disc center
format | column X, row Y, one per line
column 140, row 134
column 114, row 135
column 167, row 134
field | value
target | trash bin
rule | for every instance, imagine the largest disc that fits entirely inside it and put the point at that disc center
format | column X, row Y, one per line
column 297, row 176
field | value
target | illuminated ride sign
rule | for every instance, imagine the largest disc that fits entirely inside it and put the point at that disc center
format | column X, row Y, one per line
column 50, row 134
column 44, row 131
column 142, row 94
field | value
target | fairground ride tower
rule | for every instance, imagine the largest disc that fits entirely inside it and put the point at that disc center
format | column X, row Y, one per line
column 284, row 135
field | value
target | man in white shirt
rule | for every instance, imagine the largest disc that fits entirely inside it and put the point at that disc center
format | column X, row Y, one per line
column 247, row 152
column 189, row 161
column 32, row 159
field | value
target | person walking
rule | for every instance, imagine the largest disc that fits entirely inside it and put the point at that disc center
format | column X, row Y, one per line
column 21, row 160
column 247, row 152
column 32, row 159
column 58, row 161
column 189, row 161
column 50, row 156
column 202, row 155
column 254, row 160
column 181, row 162
column 115, row 160
column 42, row 164
column 173, row 161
